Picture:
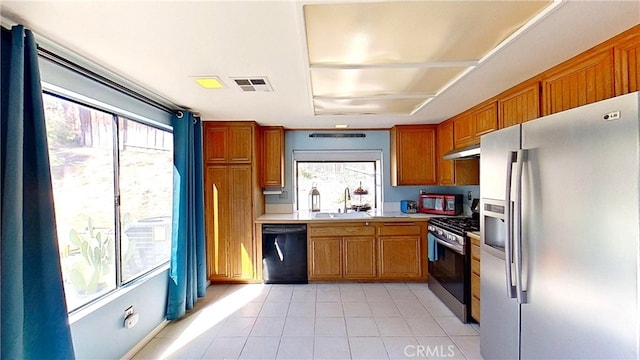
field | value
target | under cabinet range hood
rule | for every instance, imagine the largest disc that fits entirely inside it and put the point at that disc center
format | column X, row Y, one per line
column 465, row 153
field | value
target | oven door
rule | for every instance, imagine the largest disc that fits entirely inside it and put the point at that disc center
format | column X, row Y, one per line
column 450, row 268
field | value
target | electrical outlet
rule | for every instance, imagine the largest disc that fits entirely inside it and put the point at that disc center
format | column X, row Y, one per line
column 130, row 318
column 469, row 196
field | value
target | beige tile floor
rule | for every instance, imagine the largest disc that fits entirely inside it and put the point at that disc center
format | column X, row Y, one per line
column 317, row 321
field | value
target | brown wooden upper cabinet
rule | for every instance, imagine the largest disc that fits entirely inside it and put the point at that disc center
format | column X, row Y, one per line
column 609, row 69
column 520, row 104
column 627, row 59
column 228, row 142
column 413, row 155
column 463, row 130
column 585, row 79
column 446, row 171
column 273, row 156
column 450, row 172
column 468, row 127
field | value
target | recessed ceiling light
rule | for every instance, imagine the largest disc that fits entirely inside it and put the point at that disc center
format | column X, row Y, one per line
column 210, row 82
column 342, row 126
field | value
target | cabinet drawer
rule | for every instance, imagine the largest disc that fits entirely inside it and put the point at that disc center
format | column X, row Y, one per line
column 475, row 242
column 475, row 308
column 475, row 252
column 409, row 228
column 475, row 266
column 355, row 230
column 475, row 285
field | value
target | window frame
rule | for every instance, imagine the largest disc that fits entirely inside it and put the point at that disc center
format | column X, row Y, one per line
column 116, row 114
column 344, row 156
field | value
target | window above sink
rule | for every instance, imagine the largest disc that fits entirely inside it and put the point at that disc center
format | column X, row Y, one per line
column 354, row 175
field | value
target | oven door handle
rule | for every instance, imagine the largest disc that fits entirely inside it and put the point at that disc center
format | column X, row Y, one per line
column 450, row 246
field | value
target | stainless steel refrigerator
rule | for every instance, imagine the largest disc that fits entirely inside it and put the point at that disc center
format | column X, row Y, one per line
column 559, row 266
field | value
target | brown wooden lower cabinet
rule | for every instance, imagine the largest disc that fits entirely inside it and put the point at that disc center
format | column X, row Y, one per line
column 231, row 252
column 359, row 256
column 475, row 278
column 400, row 257
column 367, row 251
column 324, row 258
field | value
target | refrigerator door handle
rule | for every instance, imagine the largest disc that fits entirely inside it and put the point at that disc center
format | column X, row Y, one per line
column 517, row 220
column 508, row 258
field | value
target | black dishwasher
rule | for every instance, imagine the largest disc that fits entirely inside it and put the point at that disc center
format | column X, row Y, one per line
column 284, row 253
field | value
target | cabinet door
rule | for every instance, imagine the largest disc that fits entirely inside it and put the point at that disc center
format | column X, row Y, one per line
column 359, row 257
column 463, row 131
column 399, row 257
column 241, row 224
column 523, row 104
column 325, row 258
column 486, row 120
column 450, row 172
column 215, row 143
column 446, row 175
column 216, row 194
column 414, row 155
column 273, row 157
column 228, row 143
column 240, row 143
column 627, row 63
column 580, row 81
column 475, row 279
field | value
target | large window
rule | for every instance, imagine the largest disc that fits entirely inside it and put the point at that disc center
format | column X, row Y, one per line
column 112, row 184
column 354, row 184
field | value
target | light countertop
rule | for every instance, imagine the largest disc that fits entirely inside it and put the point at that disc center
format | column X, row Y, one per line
column 306, row 216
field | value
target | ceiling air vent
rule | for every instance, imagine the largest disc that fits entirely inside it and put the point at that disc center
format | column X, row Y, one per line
column 260, row 84
column 337, row 135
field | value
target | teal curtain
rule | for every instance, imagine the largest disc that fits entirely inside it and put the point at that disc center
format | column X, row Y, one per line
column 187, row 273
column 34, row 313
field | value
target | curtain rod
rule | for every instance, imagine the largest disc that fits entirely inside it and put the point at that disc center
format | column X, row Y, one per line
column 68, row 64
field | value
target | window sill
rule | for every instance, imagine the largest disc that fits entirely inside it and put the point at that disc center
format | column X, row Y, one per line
column 82, row 312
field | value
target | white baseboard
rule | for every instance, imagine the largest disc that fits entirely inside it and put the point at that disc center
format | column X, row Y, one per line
column 131, row 353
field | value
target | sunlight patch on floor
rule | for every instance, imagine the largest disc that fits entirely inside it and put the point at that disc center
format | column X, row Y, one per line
column 213, row 314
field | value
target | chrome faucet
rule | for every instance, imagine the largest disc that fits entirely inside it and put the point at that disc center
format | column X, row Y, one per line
column 347, row 196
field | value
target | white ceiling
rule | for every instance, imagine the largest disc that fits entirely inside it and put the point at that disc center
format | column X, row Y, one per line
column 393, row 58
column 162, row 45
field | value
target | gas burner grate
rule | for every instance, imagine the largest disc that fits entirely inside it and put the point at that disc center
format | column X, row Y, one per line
column 458, row 225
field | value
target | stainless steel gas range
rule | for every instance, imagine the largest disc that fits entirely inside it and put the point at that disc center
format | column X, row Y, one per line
column 450, row 262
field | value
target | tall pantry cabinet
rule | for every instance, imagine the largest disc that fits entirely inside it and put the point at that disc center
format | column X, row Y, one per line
column 233, row 199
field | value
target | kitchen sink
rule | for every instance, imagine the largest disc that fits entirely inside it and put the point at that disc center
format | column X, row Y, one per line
column 348, row 215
